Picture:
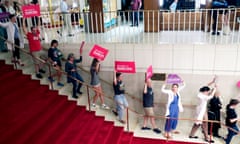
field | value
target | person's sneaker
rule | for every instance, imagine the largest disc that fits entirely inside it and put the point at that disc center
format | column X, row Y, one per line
column 60, row 84
column 42, row 71
column 122, row 121
column 94, row 105
column 115, row 112
column 75, row 97
column 145, row 128
column 157, row 130
column 209, row 141
column 105, row 106
column 215, row 33
column 79, row 92
column 38, row 75
column 50, row 79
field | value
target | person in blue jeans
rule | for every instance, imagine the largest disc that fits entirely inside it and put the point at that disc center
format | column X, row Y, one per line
column 71, row 69
column 231, row 120
column 119, row 96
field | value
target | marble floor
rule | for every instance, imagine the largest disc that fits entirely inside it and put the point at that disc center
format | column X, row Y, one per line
column 127, row 34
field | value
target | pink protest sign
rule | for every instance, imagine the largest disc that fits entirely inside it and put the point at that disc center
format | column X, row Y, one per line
column 173, row 78
column 98, row 52
column 238, row 84
column 149, row 73
column 125, row 66
column 30, row 10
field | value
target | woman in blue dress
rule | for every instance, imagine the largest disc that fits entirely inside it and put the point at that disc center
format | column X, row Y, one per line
column 173, row 107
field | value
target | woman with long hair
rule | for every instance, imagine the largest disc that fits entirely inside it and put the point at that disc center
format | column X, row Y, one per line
column 95, row 83
column 173, row 107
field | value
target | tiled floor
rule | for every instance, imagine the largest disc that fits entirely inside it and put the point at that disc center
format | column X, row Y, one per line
column 128, row 34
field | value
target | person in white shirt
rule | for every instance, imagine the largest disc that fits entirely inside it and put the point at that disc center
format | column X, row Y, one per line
column 66, row 18
column 205, row 94
column 8, row 7
column 173, row 107
column 14, row 37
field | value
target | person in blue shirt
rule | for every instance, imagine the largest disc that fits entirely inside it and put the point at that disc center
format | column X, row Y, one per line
column 54, row 56
column 148, row 99
column 71, row 69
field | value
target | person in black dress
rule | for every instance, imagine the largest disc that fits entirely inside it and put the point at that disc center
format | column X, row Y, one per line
column 215, row 105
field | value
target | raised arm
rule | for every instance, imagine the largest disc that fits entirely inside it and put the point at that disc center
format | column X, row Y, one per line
column 24, row 26
column 213, row 92
column 145, row 88
column 182, row 86
column 213, row 81
column 114, row 78
column 5, row 25
column 78, row 60
column 164, row 90
column 97, row 68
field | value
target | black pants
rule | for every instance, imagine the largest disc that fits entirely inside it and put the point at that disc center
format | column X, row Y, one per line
column 215, row 14
column 16, row 51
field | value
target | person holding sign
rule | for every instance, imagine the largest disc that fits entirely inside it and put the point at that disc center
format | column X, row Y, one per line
column 35, row 47
column 205, row 94
column 148, row 105
column 71, row 69
column 95, row 82
column 173, row 107
column 119, row 95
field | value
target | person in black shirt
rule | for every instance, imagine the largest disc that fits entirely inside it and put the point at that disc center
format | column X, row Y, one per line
column 119, row 97
column 54, row 56
column 148, row 99
column 71, row 69
column 219, row 7
column 215, row 105
column 231, row 120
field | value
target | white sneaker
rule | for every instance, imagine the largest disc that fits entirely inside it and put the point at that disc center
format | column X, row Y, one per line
column 105, row 107
column 93, row 105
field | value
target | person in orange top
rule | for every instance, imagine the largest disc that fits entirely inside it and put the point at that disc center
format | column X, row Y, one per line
column 35, row 47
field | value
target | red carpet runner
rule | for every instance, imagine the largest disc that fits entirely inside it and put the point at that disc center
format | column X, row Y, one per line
column 30, row 113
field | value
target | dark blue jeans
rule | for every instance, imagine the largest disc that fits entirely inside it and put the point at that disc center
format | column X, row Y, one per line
column 135, row 18
column 76, row 86
column 231, row 134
